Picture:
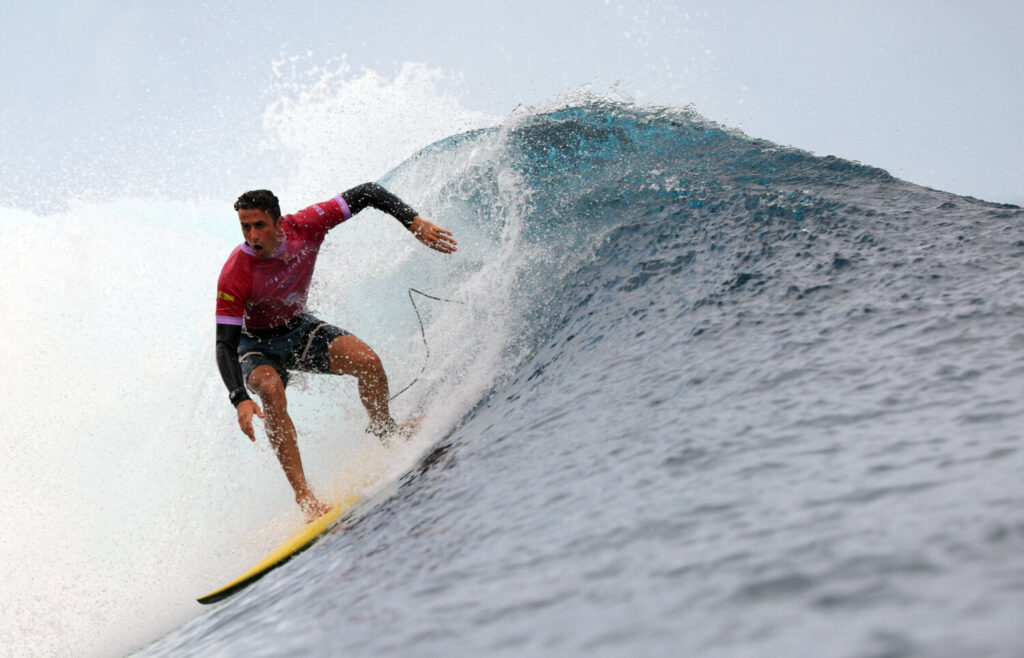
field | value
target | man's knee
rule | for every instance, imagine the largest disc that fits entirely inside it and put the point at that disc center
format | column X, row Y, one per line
column 368, row 362
column 267, row 384
column 351, row 356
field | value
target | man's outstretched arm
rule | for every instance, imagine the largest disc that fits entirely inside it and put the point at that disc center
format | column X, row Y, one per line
column 374, row 196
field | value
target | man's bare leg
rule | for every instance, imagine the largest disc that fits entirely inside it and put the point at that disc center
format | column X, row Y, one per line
column 351, row 356
column 281, row 432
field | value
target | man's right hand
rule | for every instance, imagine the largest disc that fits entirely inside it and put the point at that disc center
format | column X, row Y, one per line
column 246, row 408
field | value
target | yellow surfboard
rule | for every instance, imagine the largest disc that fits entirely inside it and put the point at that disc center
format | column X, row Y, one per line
column 298, row 542
column 302, row 539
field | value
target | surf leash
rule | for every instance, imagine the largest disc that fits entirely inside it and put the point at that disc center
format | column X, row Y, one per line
column 423, row 335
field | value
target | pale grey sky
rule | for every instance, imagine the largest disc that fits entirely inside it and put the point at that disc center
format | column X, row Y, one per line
column 124, row 97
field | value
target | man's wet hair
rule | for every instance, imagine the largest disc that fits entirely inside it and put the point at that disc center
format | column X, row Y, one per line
column 260, row 200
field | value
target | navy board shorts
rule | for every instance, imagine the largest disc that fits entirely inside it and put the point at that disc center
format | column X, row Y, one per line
column 300, row 345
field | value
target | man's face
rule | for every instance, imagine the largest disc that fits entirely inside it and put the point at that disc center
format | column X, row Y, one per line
column 260, row 232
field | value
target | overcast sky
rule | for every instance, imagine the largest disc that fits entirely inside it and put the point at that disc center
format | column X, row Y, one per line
column 931, row 91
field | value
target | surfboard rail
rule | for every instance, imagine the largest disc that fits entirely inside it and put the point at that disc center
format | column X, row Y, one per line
column 302, row 539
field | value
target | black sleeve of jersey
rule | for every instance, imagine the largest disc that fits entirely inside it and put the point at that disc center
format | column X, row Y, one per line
column 373, row 195
column 228, row 336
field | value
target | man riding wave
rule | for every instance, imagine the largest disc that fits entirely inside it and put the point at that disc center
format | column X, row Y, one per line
column 263, row 329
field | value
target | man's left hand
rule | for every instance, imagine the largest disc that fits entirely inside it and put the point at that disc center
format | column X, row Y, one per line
column 433, row 235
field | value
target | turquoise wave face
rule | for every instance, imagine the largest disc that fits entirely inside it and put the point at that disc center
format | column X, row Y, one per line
column 606, row 196
column 606, row 218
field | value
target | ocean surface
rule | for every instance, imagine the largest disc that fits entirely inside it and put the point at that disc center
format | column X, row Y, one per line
column 702, row 395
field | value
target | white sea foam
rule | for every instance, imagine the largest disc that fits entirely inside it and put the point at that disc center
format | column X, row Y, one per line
column 343, row 128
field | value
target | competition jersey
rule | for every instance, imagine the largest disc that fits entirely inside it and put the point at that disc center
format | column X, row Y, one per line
column 263, row 294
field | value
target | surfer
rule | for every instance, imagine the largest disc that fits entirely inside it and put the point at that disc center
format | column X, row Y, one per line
column 263, row 329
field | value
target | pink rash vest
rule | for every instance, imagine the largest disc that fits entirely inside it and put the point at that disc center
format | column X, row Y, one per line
column 263, row 294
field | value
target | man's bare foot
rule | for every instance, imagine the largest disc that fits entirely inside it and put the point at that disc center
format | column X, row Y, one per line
column 313, row 509
column 409, row 427
column 386, row 431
